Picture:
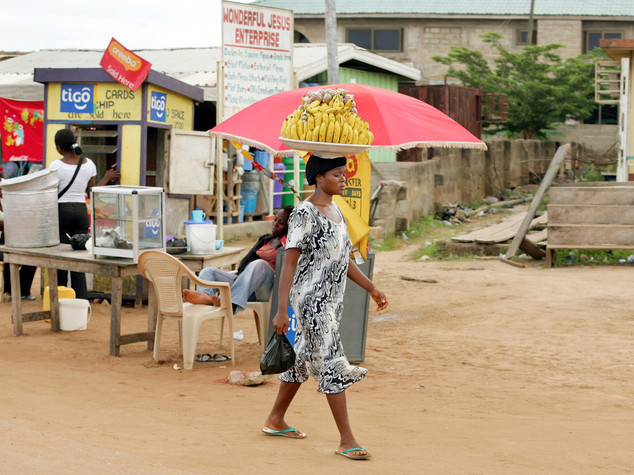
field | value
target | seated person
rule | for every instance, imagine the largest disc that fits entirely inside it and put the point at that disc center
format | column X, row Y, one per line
column 256, row 272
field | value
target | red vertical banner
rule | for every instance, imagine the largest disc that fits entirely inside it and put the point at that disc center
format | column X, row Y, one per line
column 22, row 130
column 124, row 66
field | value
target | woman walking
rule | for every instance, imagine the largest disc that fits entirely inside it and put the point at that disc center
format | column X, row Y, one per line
column 316, row 264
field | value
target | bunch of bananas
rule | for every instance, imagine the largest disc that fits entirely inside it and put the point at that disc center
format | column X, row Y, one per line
column 327, row 115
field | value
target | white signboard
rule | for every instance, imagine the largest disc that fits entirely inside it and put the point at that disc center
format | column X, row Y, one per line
column 257, row 45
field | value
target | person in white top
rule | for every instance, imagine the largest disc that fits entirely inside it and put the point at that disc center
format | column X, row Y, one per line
column 72, row 209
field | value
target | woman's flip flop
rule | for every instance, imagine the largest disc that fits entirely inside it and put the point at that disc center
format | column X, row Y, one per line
column 347, row 454
column 291, row 433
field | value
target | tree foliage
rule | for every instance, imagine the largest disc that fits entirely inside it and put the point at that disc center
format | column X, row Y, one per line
column 543, row 89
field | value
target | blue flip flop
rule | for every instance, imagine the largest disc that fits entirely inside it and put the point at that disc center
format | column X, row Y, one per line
column 347, row 454
column 288, row 433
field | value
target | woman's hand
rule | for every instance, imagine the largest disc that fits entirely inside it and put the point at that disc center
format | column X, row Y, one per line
column 280, row 322
column 111, row 175
column 379, row 298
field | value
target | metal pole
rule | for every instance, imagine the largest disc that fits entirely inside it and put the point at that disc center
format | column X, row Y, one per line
column 331, row 42
column 530, row 23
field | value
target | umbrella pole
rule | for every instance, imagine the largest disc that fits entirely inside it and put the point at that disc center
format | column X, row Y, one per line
column 219, row 189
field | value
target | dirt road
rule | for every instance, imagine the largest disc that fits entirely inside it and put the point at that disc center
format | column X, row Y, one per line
column 493, row 369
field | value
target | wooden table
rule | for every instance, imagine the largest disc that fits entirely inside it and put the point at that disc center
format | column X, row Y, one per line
column 224, row 257
column 64, row 257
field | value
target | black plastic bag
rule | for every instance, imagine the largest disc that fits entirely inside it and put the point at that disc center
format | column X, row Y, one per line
column 278, row 355
column 78, row 241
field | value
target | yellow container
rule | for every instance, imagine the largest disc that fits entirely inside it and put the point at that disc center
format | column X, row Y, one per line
column 62, row 293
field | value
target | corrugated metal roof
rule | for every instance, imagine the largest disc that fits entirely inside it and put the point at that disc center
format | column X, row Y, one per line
column 194, row 66
column 461, row 7
column 166, row 61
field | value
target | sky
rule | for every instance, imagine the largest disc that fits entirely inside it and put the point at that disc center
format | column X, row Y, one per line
column 32, row 25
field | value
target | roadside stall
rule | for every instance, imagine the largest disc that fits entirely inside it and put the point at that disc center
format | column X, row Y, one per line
column 126, row 129
column 146, row 134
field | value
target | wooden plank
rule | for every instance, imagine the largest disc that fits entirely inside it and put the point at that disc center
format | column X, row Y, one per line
column 485, row 234
column 590, row 213
column 36, row 316
column 135, row 338
column 590, row 234
column 500, row 232
column 592, row 195
column 553, row 168
column 532, row 249
column 593, row 247
column 540, row 221
column 539, row 236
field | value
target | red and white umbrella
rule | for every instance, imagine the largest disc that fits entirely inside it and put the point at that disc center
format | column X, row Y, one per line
column 397, row 121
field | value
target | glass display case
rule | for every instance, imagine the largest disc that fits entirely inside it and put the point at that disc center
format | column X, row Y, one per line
column 127, row 220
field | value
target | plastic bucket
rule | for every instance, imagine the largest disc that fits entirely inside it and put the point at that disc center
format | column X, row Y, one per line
column 74, row 314
column 249, row 191
column 201, row 237
column 262, row 158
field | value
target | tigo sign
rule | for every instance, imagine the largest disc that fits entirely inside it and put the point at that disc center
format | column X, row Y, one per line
column 78, row 98
column 158, row 106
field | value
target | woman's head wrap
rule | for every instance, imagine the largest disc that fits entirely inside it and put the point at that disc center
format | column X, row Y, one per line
column 318, row 166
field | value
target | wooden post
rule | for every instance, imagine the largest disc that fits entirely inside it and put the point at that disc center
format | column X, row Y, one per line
column 16, row 301
column 553, row 168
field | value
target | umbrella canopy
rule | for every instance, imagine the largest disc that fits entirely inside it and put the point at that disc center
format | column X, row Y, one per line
column 397, row 121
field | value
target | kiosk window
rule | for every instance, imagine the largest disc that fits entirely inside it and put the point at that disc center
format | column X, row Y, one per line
column 100, row 144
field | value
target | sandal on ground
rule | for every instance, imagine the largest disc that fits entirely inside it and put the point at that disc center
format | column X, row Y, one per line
column 347, row 454
column 215, row 358
column 291, row 433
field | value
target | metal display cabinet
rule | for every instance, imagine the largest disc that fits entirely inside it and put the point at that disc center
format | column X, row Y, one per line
column 354, row 321
column 127, row 220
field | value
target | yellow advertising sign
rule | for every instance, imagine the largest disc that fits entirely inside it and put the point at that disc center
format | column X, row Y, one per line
column 101, row 101
column 355, row 201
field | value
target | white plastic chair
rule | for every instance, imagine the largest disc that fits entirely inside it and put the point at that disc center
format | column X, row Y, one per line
column 166, row 275
column 261, row 314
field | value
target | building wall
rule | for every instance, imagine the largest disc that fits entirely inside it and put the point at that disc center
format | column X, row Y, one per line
column 564, row 32
column 601, row 141
column 424, row 38
column 455, row 176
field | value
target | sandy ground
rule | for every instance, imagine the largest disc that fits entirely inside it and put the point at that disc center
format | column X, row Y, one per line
column 493, row 369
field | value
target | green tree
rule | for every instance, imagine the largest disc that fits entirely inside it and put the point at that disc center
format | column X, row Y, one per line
column 542, row 89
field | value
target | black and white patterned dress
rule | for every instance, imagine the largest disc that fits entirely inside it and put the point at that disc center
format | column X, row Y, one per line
column 317, row 299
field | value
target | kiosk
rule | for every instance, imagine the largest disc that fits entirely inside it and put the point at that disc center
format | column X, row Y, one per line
column 146, row 134
column 115, row 126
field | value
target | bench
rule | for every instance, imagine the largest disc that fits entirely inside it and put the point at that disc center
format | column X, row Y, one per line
column 593, row 215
